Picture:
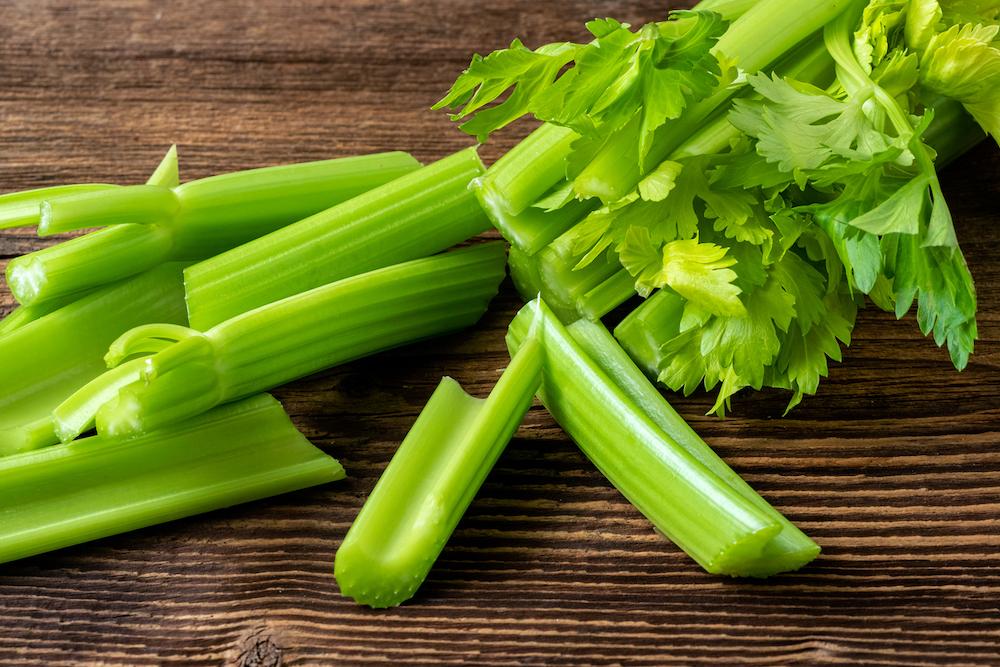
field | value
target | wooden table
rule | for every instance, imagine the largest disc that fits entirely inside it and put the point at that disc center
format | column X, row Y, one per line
column 894, row 468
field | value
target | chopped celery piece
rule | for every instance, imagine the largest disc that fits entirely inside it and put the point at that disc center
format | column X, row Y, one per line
column 715, row 523
column 45, row 361
column 152, row 223
column 414, row 216
column 294, row 337
column 646, row 329
column 430, row 482
column 98, row 486
column 790, row 549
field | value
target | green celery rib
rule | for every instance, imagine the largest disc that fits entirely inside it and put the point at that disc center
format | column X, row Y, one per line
column 647, row 328
column 155, row 222
column 21, row 209
column 23, row 315
column 526, row 172
column 430, row 483
column 534, row 227
column 414, row 216
column 715, row 524
column 45, row 361
column 790, row 549
column 98, row 486
column 301, row 335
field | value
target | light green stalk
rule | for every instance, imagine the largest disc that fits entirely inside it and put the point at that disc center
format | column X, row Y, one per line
column 96, row 487
column 414, row 216
column 46, row 360
column 602, row 404
column 790, row 549
column 293, row 338
column 156, row 222
column 430, row 482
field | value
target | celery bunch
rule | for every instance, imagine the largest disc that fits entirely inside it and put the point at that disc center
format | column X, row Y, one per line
column 758, row 174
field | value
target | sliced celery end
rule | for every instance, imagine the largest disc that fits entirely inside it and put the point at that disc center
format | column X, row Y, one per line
column 27, row 437
column 306, row 333
column 790, row 549
column 718, row 527
column 430, row 483
column 96, row 487
column 83, row 263
column 416, row 215
column 77, row 413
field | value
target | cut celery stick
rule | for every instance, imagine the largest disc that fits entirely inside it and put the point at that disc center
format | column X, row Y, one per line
column 96, row 487
column 297, row 336
column 414, row 216
column 430, row 483
column 715, row 524
column 790, row 549
column 155, row 222
column 45, row 361
column 23, row 315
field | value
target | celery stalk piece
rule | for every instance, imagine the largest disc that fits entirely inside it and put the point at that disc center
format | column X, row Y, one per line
column 647, row 328
column 414, row 216
column 97, row 487
column 790, row 549
column 45, row 361
column 430, row 483
column 23, row 209
column 155, row 222
column 296, row 336
column 714, row 523
column 534, row 227
column 527, row 171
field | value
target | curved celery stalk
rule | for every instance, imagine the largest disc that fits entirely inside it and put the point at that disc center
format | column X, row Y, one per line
column 414, row 216
column 790, row 549
column 297, row 336
column 155, row 222
column 45, row 361
column 430, row 483
column 710, row 520
column 97, row 487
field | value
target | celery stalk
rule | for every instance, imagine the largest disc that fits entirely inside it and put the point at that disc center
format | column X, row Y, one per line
column 153, row 223
column 45, row 361
column 21, row 209
column 96, row 487
column 508, row 186
column 431, row 481
column 790, row 549
column 414, row 216
column 294, row 337
column 710, row 520
column 23, row 315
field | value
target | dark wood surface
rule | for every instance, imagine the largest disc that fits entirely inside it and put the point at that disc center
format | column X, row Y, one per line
column 894, row 468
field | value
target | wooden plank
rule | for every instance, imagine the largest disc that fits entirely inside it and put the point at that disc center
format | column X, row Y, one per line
column 894, row 467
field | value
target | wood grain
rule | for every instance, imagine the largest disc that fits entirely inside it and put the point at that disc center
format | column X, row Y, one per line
column 894, row 468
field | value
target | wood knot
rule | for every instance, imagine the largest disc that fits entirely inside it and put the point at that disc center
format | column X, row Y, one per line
column 259, row 649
